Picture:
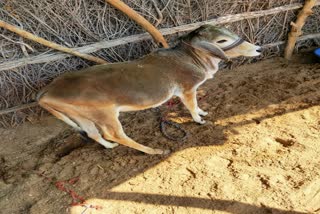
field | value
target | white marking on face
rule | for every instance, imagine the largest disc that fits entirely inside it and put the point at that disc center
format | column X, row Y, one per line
column 244, row 49
column 252, row 50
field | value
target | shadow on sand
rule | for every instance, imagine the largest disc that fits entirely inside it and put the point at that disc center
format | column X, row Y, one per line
column 235, row 207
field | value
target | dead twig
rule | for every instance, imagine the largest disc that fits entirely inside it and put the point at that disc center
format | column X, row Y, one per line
column 19, row 107
column 47, row 43
column 297, row 26
column 160, row 16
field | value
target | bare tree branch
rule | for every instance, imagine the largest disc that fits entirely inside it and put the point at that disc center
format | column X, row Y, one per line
column 47, row 43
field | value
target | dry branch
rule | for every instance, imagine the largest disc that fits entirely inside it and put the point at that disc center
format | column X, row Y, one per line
column 44, row 58
column 18, row 107
column 297, row 26
column 33, row 104
column 140, row 20
column 47, row 43
column 301, row 38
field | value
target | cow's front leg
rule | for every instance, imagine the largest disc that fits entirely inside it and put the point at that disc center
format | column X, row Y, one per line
column 189, row 99
column 201, row 112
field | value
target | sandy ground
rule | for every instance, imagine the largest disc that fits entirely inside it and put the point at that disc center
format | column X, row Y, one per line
column 259, row 152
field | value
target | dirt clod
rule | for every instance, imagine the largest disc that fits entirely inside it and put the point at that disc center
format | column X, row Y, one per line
column 285, row 142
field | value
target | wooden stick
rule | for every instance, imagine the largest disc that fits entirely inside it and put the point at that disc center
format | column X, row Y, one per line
column 270, row 45
column 51, row 57
column 157, row 36
column 45, row 58
column 301, row 38
column 18, row 107
column 297, row 26
column 47, row 43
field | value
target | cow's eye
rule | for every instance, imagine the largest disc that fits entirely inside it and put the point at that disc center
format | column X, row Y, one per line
column 221, row 41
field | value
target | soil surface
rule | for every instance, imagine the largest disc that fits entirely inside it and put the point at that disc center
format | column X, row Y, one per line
column 259, row 152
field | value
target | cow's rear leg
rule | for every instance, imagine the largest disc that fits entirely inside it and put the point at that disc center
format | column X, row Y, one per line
column 90, row 128
column 112, row 130
column 81, row 124
column 62, row 117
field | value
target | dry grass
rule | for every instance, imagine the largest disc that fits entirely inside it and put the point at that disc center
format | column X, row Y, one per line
column 74, row 23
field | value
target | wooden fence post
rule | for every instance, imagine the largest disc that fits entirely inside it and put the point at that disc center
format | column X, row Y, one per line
column 297, row 26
